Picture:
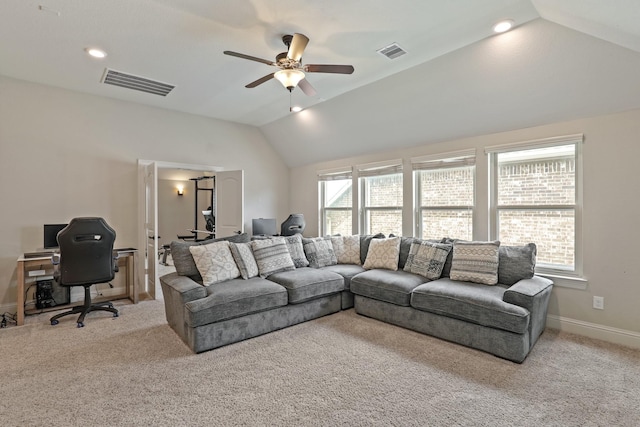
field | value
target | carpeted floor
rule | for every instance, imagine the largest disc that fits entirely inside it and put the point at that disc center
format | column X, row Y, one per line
column 343, row 369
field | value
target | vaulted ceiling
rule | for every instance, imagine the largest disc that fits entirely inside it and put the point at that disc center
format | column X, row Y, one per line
column 563, row 60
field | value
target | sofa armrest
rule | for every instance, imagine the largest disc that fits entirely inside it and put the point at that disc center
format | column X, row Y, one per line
column 177, row 291
column 532, row 294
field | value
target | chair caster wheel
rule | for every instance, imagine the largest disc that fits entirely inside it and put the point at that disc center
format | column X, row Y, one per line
column 54, row 322
column 116, row 315
column 80, row 325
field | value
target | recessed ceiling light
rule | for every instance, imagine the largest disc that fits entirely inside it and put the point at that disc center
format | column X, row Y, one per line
column 296, row 109
column 503, row 26
column 96, row 53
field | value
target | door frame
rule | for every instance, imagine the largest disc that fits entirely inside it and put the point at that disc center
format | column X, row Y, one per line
column 143, row 259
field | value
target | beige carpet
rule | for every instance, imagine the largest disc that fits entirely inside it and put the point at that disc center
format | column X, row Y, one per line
column 343, row 369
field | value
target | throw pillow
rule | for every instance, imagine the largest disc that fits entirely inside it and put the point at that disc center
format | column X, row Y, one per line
column 475, row 262
column 319, row 251
column 516, row 263
column 427, row 259
column 243, row 255
column 347, row 249
column 294, row 244
column 183, row 260
column 365, row 241
column 272, row 256
column 214, row 262
column 383, row 253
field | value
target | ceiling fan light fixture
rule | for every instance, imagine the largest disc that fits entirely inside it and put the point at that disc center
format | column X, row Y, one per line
column 289, row 78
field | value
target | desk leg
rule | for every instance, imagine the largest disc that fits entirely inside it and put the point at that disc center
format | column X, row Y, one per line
column 20, row 308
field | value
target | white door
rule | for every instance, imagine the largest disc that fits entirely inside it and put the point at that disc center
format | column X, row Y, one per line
column 229, row 203
column 151, row 226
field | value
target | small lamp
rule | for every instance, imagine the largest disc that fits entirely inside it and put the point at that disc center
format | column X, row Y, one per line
column 180, row 190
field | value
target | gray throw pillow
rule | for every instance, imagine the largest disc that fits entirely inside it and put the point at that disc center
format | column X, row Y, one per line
column 516, row 263
column 427, row 259
column 294, row 244
column 319, row 252
column 272, row 256
column 183, row 260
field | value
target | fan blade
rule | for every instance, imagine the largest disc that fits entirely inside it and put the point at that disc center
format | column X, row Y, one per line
column 260, row 81
column 306, row 87
column 250, row 58
column 323, row 68
column 298, row 44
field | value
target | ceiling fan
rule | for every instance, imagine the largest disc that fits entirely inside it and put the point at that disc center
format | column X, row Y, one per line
column 291, row 72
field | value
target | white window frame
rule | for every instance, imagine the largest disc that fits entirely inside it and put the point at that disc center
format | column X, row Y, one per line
column 391, row 167
column 574, row 278
column 323, row 177
column 441, row 161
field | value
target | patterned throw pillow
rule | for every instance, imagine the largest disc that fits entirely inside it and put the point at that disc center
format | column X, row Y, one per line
column 319, row 251
column 214, row 262
column 272, row 256
column 383, row 253
column 294, row 244
column 183, row 260
column 243, row 255
column 347, row 249
column 475, row 262
column 427, row 259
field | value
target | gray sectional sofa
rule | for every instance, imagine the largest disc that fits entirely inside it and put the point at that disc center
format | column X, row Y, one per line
column 504, row 319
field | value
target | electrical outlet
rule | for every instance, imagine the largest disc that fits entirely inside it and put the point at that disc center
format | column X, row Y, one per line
column 598, row 303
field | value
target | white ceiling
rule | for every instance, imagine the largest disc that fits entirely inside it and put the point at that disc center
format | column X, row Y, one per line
column 565, row 59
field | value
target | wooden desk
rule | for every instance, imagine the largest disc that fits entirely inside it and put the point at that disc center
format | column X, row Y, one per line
column 127, row 258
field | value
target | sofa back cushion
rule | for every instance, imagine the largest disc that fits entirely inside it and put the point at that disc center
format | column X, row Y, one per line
column 383, row 253
column 214, row 262
column 475, row 262
column 183, row 260
column 516, row 263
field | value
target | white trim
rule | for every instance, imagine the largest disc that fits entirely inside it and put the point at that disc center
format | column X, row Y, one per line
column 534, row 143
column 379, row 165
column 442, row 156
column 573, row 282
column 334, row 171
column 594, row 330
column 173, row 165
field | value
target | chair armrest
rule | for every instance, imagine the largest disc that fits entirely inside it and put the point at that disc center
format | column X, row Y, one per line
column 177, row 291
column 532, row 294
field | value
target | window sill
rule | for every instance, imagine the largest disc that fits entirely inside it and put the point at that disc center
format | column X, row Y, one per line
column 572, row 282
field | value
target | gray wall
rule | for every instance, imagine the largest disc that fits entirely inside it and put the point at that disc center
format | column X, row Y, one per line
column 65, row 154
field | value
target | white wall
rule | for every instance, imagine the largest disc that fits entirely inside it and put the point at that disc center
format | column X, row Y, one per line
column 611, row 206
column 65, row 154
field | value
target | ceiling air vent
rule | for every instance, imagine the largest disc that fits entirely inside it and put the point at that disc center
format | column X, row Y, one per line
column 129, row 81
column 392, row 51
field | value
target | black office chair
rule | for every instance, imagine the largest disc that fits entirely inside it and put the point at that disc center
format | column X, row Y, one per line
column 86, row 258
column 294, row 224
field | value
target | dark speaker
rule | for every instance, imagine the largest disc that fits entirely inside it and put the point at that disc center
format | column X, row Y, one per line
column 50, row 294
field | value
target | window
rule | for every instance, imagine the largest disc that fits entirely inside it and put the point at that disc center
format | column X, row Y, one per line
column 336, row 200
column 381, row 198
column 444, row 187
column 535, row 198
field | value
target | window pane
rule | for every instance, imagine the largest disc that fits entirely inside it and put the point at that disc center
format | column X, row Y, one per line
column 384, row 221
column 385, row 190
column 337, row 194
column 456, row 224
column 551, row 230
column 544, row 176
column 446, row 187
column 338, row 222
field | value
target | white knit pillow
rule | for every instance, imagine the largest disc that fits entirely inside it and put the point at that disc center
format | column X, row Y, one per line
column 383, row 253
column 347, row 249
column 475, row 262
column 215, row 262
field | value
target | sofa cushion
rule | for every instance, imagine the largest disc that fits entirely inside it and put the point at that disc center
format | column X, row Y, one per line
column 347, row 271
column 234, row 298
column 365, row 241
column 383, row 253
column 427, row 259
column 386, row 285
column 475, row 262
column 214, row 262
column 516, row 263
column 272, row 256
column 294, row 244
column 183, row 261
column 319, row 251
column 307, row 283
column 243, row 255
column 472, row 302
column 347, row 249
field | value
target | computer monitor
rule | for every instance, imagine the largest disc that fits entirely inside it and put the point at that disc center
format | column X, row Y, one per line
column 264, row 227
column 51, row 234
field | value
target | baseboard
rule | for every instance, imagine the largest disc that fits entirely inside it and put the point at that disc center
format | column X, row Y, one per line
column 594, row 330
